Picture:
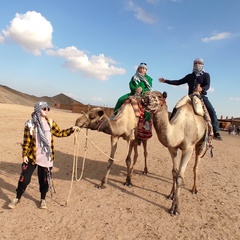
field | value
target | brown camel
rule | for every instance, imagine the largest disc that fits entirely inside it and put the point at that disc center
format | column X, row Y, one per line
column 185, row 131
column 123, row 125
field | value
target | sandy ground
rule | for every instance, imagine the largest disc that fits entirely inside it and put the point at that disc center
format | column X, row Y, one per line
column 117, row 212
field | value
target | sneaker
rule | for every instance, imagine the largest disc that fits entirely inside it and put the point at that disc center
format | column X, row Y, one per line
column 217, row 136
column 13, row 203
column 43, row 204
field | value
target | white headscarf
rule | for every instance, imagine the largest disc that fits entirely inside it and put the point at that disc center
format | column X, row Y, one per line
column 36, row 119
column 198, row 66
column 139, row 77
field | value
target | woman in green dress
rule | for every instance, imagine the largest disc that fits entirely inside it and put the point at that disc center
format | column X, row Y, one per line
column 139, row 83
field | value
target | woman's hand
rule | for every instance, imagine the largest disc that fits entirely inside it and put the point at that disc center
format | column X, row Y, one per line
column 138, row 90
column 76, row 128
column 25, row 159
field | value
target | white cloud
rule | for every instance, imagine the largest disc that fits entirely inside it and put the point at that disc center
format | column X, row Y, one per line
column 31, row 30
column 140, row 14
column 211, row 89
column 217, row 37
column 84, row 100
column 97, row 99
column 237, row 99
column 154, row 2
column 99, row 67
column 1, row 39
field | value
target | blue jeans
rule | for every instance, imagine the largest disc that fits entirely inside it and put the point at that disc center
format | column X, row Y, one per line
column 212, row 113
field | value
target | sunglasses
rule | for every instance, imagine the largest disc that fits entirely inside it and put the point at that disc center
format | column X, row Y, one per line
column 198, row 63
column 143, row 64
column 45, row 109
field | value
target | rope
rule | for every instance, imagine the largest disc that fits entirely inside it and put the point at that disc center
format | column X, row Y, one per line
column 75, row 157
column 97, row 146
column 75, row 161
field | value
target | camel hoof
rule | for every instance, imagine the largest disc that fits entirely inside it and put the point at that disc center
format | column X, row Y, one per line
column 169, row 197
column 145, row 172
column 174, row 210
column 129, row 184
column 194, row 191
column 173, row 213
column 100, row 186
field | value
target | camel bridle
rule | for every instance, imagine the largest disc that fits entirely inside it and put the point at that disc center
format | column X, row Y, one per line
column 153, row 102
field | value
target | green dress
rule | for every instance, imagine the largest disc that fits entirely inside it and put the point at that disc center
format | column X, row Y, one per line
column 133, row 85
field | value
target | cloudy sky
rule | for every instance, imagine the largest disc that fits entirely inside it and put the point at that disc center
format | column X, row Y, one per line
column 89, row 50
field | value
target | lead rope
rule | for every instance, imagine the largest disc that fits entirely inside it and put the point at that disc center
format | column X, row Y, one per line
column 76, row 143
column 75, row 157
column 75, row 160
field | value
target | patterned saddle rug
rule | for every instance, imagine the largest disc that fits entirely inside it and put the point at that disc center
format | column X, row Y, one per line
column 144, row 130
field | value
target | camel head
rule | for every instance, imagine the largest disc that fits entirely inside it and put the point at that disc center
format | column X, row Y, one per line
column 152, row 101
column 92, row 119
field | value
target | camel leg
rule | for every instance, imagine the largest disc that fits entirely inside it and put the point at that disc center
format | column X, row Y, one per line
column 135, row 157
column 173, row 153
column 114, row 141
column 186, row 155
column 145, row 171
column 128, row 163
column 195, row 171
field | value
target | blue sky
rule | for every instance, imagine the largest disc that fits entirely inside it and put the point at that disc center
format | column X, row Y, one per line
column 89, row 50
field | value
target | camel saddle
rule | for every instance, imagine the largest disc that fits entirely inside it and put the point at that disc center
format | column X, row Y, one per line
column 195, row 101
column 144, row 127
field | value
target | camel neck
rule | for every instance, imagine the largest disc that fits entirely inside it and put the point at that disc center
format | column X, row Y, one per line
column 104, row 125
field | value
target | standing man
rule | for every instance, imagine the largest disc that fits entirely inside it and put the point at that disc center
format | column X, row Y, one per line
column 199, row 80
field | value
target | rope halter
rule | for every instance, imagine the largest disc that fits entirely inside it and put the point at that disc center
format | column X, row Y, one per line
column 151, row 101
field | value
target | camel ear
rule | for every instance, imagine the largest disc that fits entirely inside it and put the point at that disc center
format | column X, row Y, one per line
column 165, row 95
column 100, row 113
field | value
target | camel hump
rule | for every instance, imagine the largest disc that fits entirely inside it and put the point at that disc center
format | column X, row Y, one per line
column 195, row 102
column 184, row 100
column 197, row 105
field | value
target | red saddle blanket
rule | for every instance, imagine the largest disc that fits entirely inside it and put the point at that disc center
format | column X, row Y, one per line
column 144, row 129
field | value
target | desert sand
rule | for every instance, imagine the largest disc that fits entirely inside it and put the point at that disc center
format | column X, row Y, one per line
column 116, row 212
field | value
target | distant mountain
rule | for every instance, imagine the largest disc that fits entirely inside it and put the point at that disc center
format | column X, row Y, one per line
column 62, row 98
column 9, row 95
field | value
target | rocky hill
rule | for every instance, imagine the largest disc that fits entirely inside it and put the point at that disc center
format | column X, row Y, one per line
column 9, row 95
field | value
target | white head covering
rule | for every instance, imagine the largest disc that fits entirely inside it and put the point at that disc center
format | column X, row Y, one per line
column 198, row 66
column 143, row 65
column 36, row 118
column 139, row 77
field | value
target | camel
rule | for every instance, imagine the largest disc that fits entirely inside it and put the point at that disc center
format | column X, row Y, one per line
column 185, row 131
column 123, row 125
